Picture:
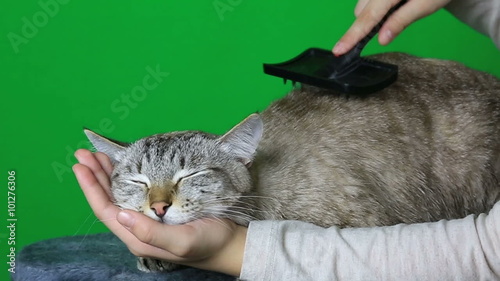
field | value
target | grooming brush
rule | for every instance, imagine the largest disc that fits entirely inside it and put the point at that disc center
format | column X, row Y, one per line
column 349, row 73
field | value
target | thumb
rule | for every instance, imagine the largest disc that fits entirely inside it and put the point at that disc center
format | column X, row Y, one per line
column 172, row 238
column 126, row 218
column 143, row 227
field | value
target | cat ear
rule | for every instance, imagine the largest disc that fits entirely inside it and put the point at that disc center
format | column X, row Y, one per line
column 242, row 140
column 110, row 147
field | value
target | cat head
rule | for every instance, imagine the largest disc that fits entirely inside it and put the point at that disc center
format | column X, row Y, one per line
column 181, row 176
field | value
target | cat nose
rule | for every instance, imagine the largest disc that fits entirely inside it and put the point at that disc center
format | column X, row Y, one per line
column 160, row 208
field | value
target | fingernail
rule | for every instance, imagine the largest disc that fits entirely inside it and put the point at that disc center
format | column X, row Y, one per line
column 388, row 36
column 339, row 48
column 125, row 219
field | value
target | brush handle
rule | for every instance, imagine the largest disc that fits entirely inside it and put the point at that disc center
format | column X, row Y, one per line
column 355, row 52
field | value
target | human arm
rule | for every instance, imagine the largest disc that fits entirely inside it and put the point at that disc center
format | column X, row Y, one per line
column 210, row 244
column 465, row 249
column 482, row 15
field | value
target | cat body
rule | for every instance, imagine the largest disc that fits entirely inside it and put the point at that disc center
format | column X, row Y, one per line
column 385, row 159
column 423, row 149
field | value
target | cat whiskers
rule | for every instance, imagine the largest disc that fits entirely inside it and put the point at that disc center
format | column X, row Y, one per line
column 224, row 212
column 219, row 221
column 84, row 222
column 268, row 202
column 240, row 197
column 89, row 228
column 239, row 202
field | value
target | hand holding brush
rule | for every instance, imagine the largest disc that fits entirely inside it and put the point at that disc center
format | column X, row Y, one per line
column 369, row 13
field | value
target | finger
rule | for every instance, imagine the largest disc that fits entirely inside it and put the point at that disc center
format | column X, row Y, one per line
column 107, row 212
column 105, row 162
column 370, row 16
column 88, row 159
column 176, row 240
column 407, row 14
column 98, row 200
column 359, row 7
column 96, row 196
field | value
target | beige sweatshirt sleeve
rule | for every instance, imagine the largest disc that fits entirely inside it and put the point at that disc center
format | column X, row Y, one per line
column 482, row 15
column 465, row 249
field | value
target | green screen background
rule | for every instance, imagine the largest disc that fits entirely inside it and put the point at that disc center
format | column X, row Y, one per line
column 72, row 64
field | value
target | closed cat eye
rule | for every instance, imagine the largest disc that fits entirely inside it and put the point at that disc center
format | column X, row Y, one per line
column 192, row 175
column 179, row 178
column 139, row 182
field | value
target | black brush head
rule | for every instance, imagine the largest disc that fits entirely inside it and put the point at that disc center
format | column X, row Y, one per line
column 319, row 67
column 349, row 73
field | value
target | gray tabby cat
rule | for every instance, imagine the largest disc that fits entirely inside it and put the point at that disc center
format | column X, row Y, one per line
column 424, row 149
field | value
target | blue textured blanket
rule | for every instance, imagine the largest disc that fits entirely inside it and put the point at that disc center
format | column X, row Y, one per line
column 95, row 257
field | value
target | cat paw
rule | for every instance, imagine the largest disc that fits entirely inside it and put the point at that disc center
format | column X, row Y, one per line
column 154, row 265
